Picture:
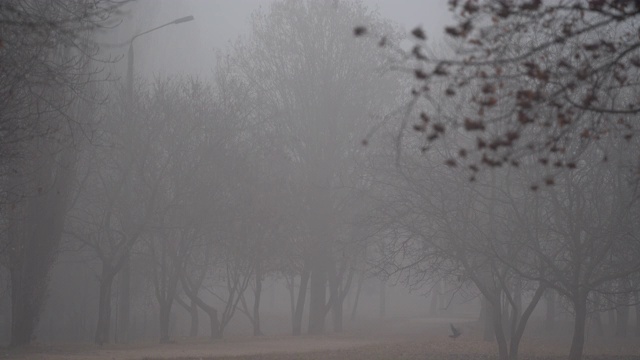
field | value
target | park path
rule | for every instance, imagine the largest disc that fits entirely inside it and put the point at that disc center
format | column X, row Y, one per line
column 229, row 347
column 367, row 333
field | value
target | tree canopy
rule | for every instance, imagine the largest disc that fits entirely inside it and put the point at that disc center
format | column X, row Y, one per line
column 534, row 78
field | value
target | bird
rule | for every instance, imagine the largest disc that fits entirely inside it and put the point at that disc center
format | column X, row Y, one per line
column 454, row 332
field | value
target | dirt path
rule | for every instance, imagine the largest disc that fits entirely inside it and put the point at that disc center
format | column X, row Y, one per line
column 405, row 338
column 231, row 347
column 373, row 332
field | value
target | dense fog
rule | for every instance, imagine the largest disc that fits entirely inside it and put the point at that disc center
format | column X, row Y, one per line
column 181, row 170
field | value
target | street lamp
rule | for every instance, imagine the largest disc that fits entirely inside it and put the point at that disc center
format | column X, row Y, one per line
column 124, row 311
column 130, row 55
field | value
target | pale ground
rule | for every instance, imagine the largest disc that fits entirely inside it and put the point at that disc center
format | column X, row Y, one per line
column 408, row 338
column 367, row 333
column 232, row 347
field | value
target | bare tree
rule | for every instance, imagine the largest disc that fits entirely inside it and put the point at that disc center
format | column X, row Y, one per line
column 46, row 62
column 562, row 71
column 593, row 241
column 120, row 198
column 432, row 225
column 46, row 50
column 314, row 87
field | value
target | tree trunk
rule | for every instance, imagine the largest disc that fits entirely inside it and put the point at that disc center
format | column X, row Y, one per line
column 637, row 313
column 435, row 297
column 124, row 316
column 597, row 321
column 355, row 301
column 104, row 308
column 505, row 317
column 291, row 286
column 517, row 297
column 318, row 294
column 25, row 306
column 211, row 311
column 623, row 305
column 256, row 302
column 596, row 316
column 165, row 317
column 495, row 311
column 611, row 321
column 335, row 297
column 214, row 323
column 36, row 241
column 337, row 312
column 193, row 310
column 577, row 343
column 383, row 299
column 521, row 322
column 550, row 317
column 302, row 296
column 488, row 334
column 622, row 320
column 337, row 307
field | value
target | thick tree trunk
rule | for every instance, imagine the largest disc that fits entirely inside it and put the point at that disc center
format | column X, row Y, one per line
column 26, row 302
column 165, row 319
column 37, row 238
column 577, row 343
column 103, row 327
column 302, row 296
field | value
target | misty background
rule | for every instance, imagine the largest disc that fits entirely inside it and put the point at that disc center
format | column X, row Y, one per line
column 258, row 170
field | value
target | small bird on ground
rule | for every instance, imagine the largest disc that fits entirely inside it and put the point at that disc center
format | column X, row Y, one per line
column 454, row 332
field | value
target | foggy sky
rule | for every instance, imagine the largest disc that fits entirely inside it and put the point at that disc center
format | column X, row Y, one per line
column 190, row 48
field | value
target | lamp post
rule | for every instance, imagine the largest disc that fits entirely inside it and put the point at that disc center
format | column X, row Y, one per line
column 124, row 312
column 130, row 54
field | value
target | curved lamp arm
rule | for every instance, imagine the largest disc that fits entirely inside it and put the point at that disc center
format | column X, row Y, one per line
column 176, row 21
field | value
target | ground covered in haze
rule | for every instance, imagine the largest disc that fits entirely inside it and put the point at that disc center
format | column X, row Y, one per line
column 409, row 339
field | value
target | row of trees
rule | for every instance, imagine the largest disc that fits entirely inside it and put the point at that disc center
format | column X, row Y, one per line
column 205, row 189
column 541, row 94
column 578, row 239
column 48, row 102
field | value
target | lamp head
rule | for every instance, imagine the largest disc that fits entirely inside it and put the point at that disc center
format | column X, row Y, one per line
column 183, row 19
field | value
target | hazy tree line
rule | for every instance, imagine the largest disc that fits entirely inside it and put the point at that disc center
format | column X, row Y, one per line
column 533, row 109
column 577, row 239
column 190, row 193
column 200, row 190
